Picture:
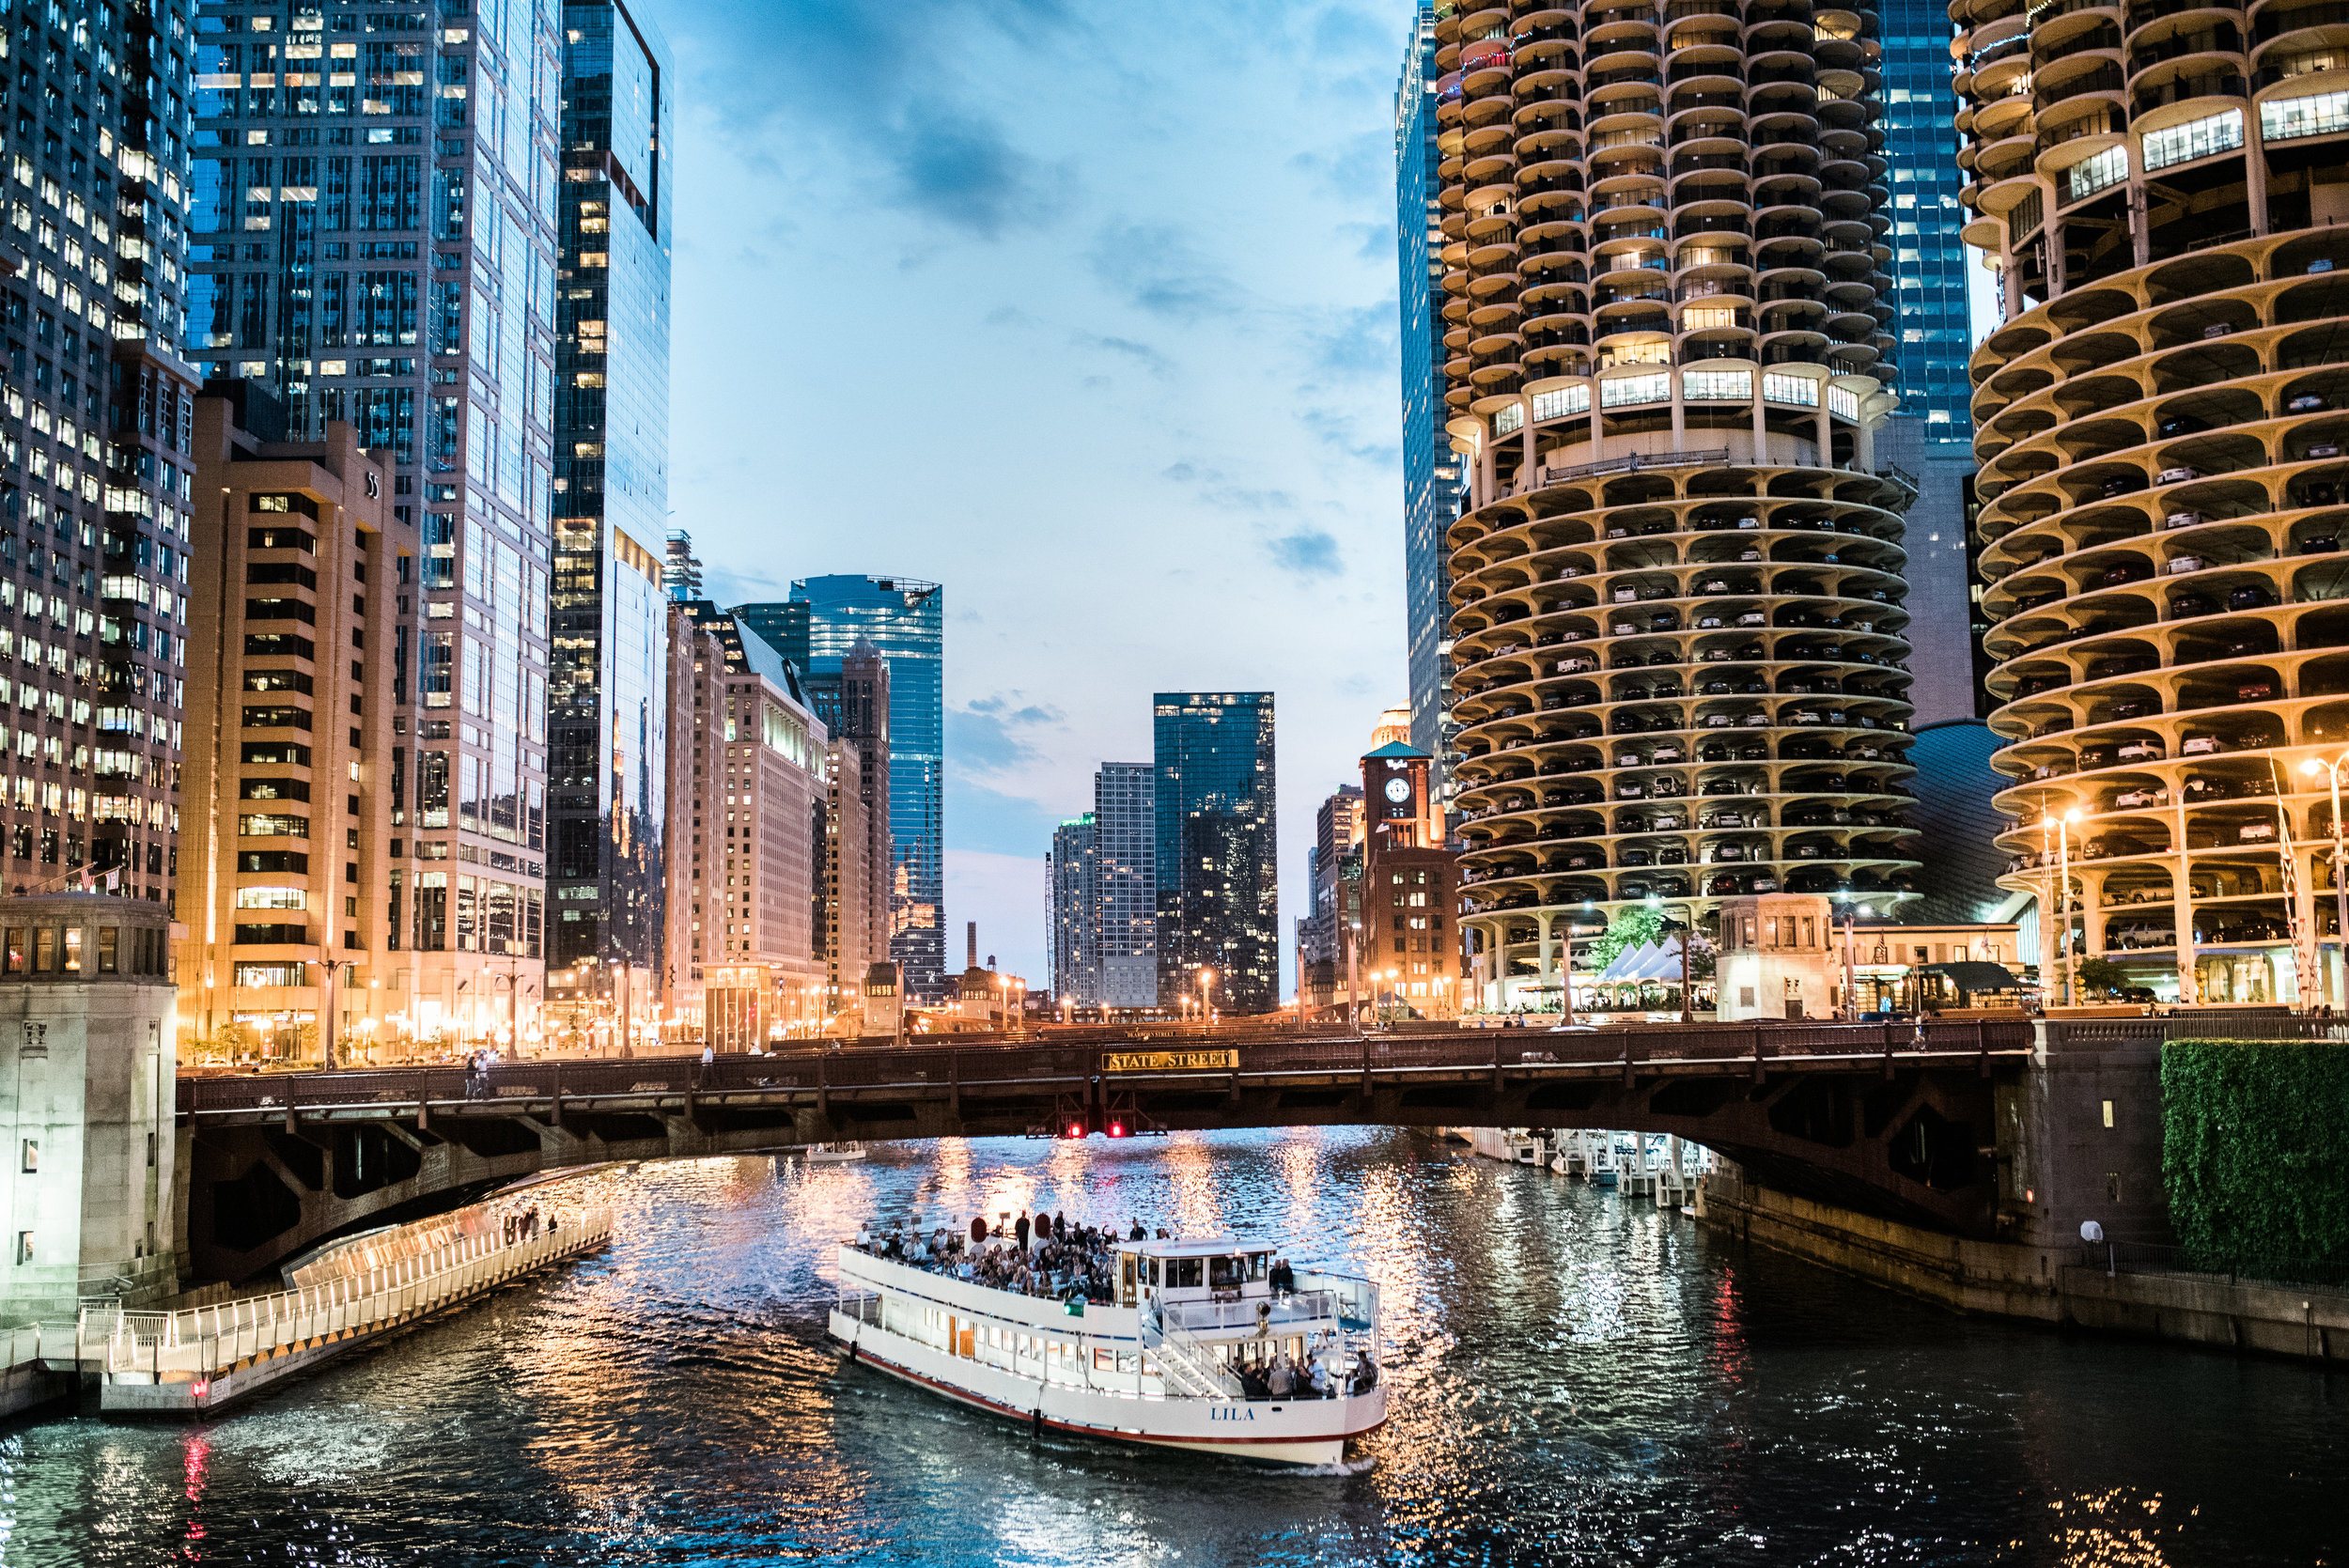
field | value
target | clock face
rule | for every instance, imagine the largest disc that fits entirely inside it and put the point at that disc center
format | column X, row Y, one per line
column 1398, row 790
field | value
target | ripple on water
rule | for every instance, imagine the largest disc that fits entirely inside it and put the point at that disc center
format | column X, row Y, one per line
column 1574, row 1379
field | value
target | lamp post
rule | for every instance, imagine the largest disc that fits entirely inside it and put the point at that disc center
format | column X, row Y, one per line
column 1206, row 978
column 1851, row 982
column 1688, row 940
column 2340, row 884
column 326, row 1026
column 2064, row 899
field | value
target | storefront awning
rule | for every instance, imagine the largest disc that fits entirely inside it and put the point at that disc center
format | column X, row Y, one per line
column 1974, row 975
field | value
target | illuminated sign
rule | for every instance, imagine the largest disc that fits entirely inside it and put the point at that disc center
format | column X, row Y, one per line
column 1171, row 1061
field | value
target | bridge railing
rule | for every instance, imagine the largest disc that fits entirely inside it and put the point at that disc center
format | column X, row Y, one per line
column 978, row 1066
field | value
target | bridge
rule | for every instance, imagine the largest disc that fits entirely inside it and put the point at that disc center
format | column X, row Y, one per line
column 1882, row 1119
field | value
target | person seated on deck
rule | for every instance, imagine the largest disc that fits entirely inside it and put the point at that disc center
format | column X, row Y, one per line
column 1282, row 1278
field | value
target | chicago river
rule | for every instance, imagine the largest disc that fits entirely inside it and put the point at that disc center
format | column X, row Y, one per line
column 1576, row 1378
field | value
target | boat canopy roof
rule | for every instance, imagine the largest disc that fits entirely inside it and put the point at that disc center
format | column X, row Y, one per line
column 1195, row 1247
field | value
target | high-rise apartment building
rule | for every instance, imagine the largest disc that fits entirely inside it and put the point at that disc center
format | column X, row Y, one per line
column 2160, row 424
column 1102, row 882
column 1126, row 885
column 292, row 851
column 756, row 950
column 96, row 471
column 372, row 217
column 904, row 621
column 1217, row 851
column 608, row 718
column 1071, row 923
column 1431, row 470
column 1666, row 294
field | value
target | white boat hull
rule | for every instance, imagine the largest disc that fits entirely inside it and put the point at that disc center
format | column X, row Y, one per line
column 1282, row 1432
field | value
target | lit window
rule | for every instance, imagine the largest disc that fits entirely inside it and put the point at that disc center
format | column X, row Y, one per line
column 2200, row 138
column 1776, row 388
column 2318, row 115
column 1624, row 391
column 2092, row 174
column 1716, row 386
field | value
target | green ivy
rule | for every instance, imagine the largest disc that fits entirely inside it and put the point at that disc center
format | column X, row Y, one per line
column 2255, row 1151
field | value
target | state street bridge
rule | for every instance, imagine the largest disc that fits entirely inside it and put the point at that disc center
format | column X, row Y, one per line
column 1877, row 1119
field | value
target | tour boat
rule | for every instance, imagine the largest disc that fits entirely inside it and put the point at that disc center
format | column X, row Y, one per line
column 835, row 1154
column 1177, row 1362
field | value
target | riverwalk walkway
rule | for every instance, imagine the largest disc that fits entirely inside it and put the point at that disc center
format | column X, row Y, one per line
column 199, row 1358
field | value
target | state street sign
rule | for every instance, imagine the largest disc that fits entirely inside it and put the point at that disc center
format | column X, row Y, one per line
column 1171, row 1061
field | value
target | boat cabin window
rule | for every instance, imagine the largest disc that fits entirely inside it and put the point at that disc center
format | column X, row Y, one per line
column 1186, row 1272
column 1125, row 1272
column 1226, row 1273
column 1154, row 1272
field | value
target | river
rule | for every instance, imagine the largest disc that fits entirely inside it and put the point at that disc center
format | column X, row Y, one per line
column 1574, row 1379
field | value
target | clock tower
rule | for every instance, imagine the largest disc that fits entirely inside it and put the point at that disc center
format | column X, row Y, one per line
column 1411, row 938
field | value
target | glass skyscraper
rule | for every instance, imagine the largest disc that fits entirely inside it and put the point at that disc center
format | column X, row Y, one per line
column 373, row 221
column 1929, row 262
column 906, row 621
column 608, row 718
column 1218, row 867
column 96, row 458
column 1431, row 472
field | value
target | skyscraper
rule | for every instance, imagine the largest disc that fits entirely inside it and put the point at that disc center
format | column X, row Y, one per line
column 1929, row 263
column 1071, row 926
column 1218, row 867
column 1431, row 474
column 375, row 241
column 1680, row 575
column 755, row 874
column 286, row 858
column 680, row 568
column 96, row 413
column 853, row 706
column 2160, row 429
column 1125, row 885
column 608, row 715
column 1334, row 882
column 905, row 622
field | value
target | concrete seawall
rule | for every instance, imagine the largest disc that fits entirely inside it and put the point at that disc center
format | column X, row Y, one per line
column 2039, row 1285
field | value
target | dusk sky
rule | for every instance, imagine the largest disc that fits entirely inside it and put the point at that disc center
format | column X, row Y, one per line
column 1086, row 312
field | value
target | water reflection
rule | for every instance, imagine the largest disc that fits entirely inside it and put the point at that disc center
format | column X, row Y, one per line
column 1576, row 1378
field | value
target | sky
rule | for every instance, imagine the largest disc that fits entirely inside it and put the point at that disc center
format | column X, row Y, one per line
column 1085, row 311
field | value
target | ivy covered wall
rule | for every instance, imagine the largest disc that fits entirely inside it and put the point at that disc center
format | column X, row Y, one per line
column 2255, row 1151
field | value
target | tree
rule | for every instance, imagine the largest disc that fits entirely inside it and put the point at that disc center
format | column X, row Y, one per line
column 1629, row 929
column 2101, row 976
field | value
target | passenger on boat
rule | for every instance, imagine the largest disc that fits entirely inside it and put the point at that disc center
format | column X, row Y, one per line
column 1283, row 1278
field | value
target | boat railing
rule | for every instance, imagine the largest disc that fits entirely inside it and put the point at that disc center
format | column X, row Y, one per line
column 863, row 1305
column 1355, row 1298
column 1286, row 1309
column 1186, row 1365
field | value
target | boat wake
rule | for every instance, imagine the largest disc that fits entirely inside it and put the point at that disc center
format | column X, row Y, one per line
column 1361, row 1465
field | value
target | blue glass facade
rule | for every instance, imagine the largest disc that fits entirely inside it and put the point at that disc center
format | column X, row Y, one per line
column 1929, row 262
column 1431, row 472
column 609, row 727
column 1217, row 863
column 905, row 621
column 372, row 218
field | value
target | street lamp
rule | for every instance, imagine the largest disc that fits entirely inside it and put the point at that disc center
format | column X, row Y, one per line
column 1688, row 940
column 1206, row 978
column 2341, row 883
column 1851, row 982
column 326, row 1033
column 2063, row 897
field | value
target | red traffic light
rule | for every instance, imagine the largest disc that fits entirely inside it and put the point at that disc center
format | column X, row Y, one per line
column 1076, row 1129
column 1117, row 1130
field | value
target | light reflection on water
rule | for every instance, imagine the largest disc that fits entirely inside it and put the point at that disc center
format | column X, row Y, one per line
column 1575, row 1378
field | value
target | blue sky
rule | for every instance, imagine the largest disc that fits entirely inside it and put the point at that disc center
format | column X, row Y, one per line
column 1086, row 312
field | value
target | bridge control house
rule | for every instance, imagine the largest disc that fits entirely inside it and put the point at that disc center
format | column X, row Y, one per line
column 87, row 1140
